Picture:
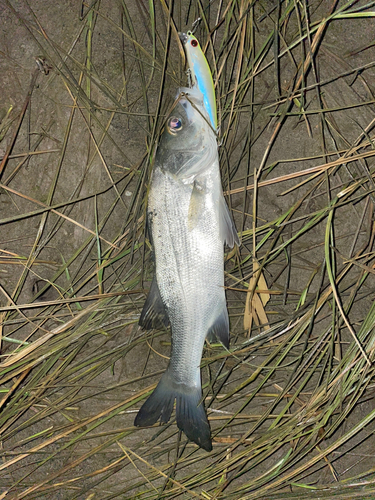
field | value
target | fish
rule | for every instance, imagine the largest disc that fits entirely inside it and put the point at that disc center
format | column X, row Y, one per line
column 200, row 74
column 188, row 222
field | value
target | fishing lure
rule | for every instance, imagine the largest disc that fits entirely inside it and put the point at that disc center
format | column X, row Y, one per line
column 200, row 74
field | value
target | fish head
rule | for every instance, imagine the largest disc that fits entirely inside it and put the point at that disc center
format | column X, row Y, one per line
column 187, row 144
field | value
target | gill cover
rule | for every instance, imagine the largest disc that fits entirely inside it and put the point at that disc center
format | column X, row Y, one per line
column 200, row 73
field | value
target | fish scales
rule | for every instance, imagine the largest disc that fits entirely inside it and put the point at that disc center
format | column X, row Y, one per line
column 189, row 261
column 188, row 222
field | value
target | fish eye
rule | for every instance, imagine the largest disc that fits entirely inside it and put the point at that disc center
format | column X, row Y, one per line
column 194, row 43
column 174, row 125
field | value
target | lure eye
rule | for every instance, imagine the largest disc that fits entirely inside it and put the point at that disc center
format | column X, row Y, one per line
column 174, row 125
column 194, row 43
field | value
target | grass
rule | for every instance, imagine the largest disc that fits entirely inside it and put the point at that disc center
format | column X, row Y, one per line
column 291, row 403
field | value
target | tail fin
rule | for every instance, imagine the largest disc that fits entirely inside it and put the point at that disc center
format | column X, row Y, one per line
column 190, row 413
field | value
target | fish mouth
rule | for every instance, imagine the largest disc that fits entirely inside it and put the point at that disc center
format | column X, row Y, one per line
column 183, row 37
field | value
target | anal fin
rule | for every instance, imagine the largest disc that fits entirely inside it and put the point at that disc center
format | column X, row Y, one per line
column 153, row 314
column 220, row 328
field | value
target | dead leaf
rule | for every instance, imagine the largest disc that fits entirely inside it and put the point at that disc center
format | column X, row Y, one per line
column 255, row 301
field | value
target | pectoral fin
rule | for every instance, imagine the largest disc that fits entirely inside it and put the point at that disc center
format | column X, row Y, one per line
column 196, row 206
column 153, row 314
column 228, row 230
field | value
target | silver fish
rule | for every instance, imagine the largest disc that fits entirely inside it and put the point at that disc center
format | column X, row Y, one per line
column 189, row 223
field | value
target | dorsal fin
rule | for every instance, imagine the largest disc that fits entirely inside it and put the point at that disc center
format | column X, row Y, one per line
column 153, row 314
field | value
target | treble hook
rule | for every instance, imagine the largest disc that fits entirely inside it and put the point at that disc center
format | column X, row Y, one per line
column 195, row 25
